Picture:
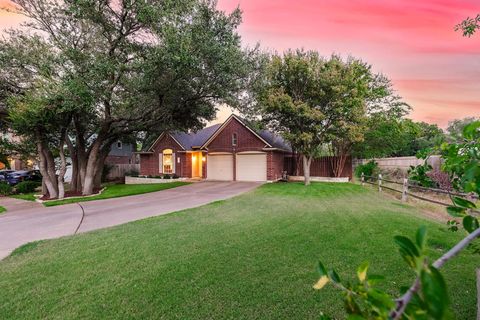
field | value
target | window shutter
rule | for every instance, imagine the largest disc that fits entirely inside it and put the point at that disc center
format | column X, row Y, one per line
column 160, row 163
column 174, row 161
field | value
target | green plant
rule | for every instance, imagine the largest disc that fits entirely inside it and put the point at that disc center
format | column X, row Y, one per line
column 26, row 187
column 5, row 188
column 368, row 169
column 427, row 297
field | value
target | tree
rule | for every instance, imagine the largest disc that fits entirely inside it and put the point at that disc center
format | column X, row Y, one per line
column 469, row 26
column 391, row 136
column 427, row 297
column 455, row 128
column 314, row 102
column 119, row 68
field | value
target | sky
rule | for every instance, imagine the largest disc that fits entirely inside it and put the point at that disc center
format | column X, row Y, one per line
column 434, row 68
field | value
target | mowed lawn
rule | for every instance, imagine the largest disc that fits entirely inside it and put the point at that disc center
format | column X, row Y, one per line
column 120, row 190
column 249, row 257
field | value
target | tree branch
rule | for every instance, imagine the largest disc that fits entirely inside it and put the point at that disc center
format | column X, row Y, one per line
column 405, row 299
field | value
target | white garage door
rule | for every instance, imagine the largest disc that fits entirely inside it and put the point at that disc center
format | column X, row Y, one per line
column 252, row 167
column 220, row 167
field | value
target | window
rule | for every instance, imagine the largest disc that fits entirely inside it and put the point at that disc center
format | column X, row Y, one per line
column 168, row 161
column 234, row 139
column 119, row 144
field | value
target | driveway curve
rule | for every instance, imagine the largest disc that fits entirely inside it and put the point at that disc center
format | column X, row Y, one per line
column 30, row 221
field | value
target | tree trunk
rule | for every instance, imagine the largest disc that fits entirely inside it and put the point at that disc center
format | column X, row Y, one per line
column 100, row 167
column 91, row 170
column 47, row 181
column 63, row 167
column 306, row 169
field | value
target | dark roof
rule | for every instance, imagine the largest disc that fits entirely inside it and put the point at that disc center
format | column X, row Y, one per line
column 198, row 139
column 274, row 140
column 194, row 139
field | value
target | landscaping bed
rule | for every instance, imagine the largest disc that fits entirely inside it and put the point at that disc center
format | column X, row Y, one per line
column 250, row 257
column 151, row 180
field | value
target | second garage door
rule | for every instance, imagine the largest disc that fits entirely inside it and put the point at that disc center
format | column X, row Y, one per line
column 252, row 167
column 220, row 167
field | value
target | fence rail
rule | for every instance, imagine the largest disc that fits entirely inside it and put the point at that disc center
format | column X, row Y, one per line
column 406, row 193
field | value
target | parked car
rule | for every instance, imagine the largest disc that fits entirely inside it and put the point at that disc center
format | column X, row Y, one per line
column 16, row 177
column 4, row 174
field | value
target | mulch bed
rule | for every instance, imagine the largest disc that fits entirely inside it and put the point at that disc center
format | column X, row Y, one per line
column 69, row 194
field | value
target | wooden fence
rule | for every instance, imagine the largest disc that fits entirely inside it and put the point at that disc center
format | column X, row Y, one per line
column 406, row 188
column 119, row 170
column 320, row 167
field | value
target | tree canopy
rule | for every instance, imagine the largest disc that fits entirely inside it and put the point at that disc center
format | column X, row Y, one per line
column 313, row 101
column 86, row 73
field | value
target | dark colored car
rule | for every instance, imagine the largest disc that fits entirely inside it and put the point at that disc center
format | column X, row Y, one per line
column 16, row 177
column 4, row 174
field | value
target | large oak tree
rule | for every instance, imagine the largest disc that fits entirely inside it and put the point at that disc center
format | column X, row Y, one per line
column 108, row 69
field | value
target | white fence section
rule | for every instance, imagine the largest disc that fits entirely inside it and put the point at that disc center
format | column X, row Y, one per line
column 402, row 163
column 119, row 170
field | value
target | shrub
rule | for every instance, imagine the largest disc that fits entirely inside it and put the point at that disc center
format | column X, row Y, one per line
column 167, row 176
column 175, row 176
column 419, row 175
column 26, row 186
column 132, row 173
column 441, row 179
column 5, row 188
column 368, row 169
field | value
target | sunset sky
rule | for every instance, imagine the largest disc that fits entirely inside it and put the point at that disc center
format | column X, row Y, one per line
column 433, row 68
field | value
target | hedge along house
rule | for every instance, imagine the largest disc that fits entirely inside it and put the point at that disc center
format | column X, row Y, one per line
column 231, row 151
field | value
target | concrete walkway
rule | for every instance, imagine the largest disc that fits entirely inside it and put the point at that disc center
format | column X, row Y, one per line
column 27, row 221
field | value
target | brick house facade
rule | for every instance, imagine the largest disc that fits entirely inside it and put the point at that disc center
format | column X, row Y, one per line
column 232, row 151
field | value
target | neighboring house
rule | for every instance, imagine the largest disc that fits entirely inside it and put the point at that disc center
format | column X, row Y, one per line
column 231, row 151
column 122, row 153
column 15, row 161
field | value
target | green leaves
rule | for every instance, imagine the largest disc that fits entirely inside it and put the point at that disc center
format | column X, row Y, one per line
column 362, row 271
column 434, row 292
column 408, row 250
column 470, row 223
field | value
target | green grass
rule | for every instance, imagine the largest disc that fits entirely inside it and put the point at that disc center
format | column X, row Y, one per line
column 120, row 190
column 250, row 257
column 2, row 210
column 24, row 196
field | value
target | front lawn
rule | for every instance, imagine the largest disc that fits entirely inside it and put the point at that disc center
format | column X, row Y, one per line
column 120, row 190
column 2, row 210
column 24, row 196
column 249, row 257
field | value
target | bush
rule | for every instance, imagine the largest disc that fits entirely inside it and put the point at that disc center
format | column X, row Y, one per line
column 5, row 189
column 441, row 179
column 368, row 169
column 167, row 176
column 419, row 175
column 26, row 186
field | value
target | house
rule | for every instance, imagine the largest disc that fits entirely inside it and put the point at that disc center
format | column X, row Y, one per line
column 122, row 153
column 232, row 151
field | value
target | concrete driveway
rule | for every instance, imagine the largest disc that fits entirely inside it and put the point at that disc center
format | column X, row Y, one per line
column 30, row 221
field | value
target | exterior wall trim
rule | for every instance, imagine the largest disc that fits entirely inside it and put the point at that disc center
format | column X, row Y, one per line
column 161, row 136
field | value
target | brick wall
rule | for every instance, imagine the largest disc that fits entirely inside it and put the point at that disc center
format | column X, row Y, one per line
column 275, row 165
column 246, row 140
column 149, row 164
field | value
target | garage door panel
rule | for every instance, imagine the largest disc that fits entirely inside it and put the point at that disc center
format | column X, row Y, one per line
column 251, row 167
column 220, row 167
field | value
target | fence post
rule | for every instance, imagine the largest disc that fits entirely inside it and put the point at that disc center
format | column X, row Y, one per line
column 379, row 182
column 405, row 190
column 363, row 179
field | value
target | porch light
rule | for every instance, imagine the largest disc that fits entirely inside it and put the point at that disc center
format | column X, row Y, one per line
column 203, row 159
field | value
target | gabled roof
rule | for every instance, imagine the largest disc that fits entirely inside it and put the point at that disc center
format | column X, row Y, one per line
column 200, row 139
